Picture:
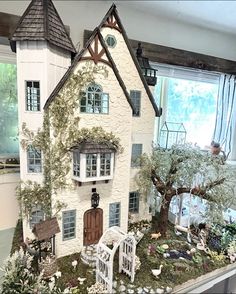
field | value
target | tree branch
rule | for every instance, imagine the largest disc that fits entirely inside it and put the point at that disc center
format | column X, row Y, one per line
column 157, row 182
column 201, row 191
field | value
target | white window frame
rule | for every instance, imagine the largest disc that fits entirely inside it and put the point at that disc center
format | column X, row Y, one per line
column 83, row 168
column 178, row 72
column 32, row 100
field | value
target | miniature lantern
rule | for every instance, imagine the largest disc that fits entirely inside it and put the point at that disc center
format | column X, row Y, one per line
column 148, row 72
column 95, row 200
column 172, row 133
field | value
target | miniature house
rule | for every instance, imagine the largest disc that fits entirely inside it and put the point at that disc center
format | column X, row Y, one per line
column 121, row 103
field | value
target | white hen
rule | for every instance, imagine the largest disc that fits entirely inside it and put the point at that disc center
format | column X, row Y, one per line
column 156, row 272
column 81, row 280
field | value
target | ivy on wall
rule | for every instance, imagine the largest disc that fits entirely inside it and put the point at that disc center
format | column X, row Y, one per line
column 59, row 133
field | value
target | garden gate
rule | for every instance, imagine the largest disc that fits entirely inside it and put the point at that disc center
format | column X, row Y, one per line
column 113, row 238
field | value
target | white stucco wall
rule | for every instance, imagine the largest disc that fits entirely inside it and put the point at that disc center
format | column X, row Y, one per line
column 80, row 15
column 119, row 121
column 143, row 125
column 9, row 209
column 36, row 61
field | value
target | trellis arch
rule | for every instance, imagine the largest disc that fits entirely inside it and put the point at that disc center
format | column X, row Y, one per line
column 105, row 256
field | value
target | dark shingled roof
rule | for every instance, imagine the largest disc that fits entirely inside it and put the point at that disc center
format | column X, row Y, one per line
column 91, row 147
column 41, row 21
column 46, row 229
column 113, row 12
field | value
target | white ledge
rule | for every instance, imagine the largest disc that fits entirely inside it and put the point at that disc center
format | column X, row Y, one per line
column 206, row 281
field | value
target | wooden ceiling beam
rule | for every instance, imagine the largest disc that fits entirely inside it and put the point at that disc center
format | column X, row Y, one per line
column 8, row 24
column 172, row 56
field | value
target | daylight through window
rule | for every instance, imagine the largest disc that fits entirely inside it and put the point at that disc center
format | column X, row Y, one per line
column 190, row 98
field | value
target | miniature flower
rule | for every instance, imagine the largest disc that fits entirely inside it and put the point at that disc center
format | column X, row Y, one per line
column 58, row 274
column 74, row 264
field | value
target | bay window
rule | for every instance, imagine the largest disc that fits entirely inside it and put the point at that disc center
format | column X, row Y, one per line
column 92, row 162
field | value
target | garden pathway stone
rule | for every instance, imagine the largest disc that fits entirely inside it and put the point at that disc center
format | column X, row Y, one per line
column 139, row 290
column 160, row 291
column 122, row 288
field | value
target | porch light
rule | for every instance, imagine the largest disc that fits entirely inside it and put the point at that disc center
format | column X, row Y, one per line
column 148, row 72
column 95, row 200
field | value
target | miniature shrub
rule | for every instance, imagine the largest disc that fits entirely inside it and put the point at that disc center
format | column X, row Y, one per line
column 19, row 278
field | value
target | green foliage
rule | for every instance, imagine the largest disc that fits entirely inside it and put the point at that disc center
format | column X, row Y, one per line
column 19, row 278
column 31, row 194
column 8, row 106
column 184, row 168
column 59, row 134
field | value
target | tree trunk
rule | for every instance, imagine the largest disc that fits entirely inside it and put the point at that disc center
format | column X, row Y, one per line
column 163, row 217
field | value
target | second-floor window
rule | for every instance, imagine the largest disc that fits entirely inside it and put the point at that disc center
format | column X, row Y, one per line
column 137, row 150
column 94, row 100
column 93, row 166
column 135, row 97
column 32, row 96
column 134, row 202
column 34, row 160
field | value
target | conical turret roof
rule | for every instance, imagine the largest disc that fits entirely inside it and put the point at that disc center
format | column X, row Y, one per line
column 41, row 21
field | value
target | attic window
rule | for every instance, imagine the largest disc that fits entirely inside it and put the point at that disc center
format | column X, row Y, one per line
column 93, row 162
column 111, row 41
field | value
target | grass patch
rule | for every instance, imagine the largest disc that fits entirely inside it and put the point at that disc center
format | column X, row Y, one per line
column 70, row 275
column 174, row 271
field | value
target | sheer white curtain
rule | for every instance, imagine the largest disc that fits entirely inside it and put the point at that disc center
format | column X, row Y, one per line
column 225, row 127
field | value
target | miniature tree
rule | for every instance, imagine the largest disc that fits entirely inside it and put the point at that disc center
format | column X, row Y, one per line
column 184, row 169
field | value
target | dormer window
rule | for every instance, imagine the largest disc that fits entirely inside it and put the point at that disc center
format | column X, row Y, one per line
column 94, row 100
column 93, row 162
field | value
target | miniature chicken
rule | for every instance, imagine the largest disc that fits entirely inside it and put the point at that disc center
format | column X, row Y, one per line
column 81, row 280
column 157, row 272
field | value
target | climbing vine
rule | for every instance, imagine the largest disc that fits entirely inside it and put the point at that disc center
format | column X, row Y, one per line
column 59, row 133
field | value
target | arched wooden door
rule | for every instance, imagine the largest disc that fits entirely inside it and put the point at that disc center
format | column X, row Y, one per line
column 93, row 226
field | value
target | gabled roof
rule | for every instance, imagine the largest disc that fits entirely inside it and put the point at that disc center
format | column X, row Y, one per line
column 41, row 21
column 112, row 20
column 96, row 35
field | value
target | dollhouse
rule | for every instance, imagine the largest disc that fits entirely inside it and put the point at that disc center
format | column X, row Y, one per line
column 101, row 190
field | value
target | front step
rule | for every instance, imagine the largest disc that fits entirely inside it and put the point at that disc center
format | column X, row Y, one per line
column 89, row 255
